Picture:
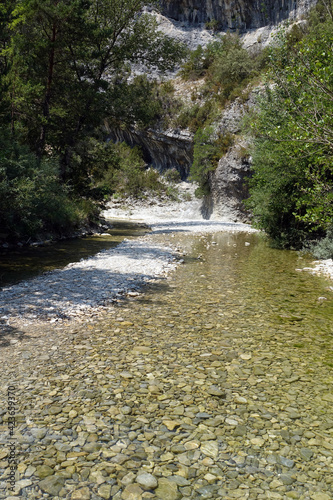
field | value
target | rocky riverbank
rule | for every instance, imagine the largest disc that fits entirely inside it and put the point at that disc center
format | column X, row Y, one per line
column 324, row 267
column 192, row 391
column 85, row 288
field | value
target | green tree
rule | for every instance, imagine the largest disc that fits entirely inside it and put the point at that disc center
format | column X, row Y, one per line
column 32, row 201
column 292, row 186
column 6, row 10
column 231, row 63
column 66, row 58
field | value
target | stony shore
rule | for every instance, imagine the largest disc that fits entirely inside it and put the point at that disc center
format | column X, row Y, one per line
column 151, row 402
column 87, row 287
column 147, row 400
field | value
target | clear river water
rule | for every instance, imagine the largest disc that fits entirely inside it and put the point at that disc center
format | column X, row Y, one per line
column 215, row 383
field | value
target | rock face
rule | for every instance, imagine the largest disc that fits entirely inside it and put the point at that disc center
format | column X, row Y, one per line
column 240, row 14
column 229, row 187
column 228, row 183
column 162, row 149
column 174, row 149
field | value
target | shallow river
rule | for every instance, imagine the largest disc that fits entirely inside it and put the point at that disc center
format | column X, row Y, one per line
column 216, row 383
column 21, row 264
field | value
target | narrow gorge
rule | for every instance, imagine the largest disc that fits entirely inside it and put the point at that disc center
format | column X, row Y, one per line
column 171, row 147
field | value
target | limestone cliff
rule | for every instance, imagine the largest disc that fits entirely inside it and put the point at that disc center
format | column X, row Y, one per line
column 228, row 186
column 235, row 14
column 228, row 183
column 164, row 149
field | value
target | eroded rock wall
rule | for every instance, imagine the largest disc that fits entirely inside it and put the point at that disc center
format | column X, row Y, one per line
column 229, row 188
column 162, row 149
column 229, row 182
column 235, row 14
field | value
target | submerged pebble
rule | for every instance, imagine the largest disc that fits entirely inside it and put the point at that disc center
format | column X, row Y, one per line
column 204, row 387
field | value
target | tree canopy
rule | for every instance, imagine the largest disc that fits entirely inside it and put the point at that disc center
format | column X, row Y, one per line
column 67, row 56
column 292, row 186
column 64, row 71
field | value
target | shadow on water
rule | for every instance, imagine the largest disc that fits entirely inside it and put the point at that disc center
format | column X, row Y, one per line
column 25, row 263
column 9, row 333
column 55, row 293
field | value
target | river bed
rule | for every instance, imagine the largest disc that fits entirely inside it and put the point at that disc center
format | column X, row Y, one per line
column 214, row 383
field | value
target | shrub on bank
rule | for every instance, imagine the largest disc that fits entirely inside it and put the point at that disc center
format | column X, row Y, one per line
column 322, row 249
column 32, row 200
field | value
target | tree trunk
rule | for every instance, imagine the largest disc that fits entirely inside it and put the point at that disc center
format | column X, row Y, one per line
column 47, row 97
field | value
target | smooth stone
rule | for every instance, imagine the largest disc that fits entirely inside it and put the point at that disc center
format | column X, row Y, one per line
column 62, row 447
column 306, row 454
column 23, row 483
column 214, row 390
column 210, row 478
column 285, row 434
column 81, row 494
column 231, row 421
column 147, row 481
column 167, row 490
column 191, row 445
column 43, row 471
column 126, row 410
column 178, row 448
column 132, row 492
column 141, row 349
column 240, row 430
column 165, row 457
column 171, row 424
column 54, row 410
column 286, row 462
column 92, row 447
column 257, row 441
column 38, row 433
column 181, row 481
column 320, row 496
column 87, row 394
column 52, row 485
column 128, row 479
column 203, row 415
column 30, row 470
column 104, row 491
column 240, row 400
column 257, row 370
column 245, row 356
column 294, row 415
column 208, row 491
column 210, row 448
column 286, row 479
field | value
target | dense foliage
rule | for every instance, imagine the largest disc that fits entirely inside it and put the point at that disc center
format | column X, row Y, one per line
column 32, row 200
column 292, row 186
column 64, row 71
column 226, row 66
column 65, row 79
